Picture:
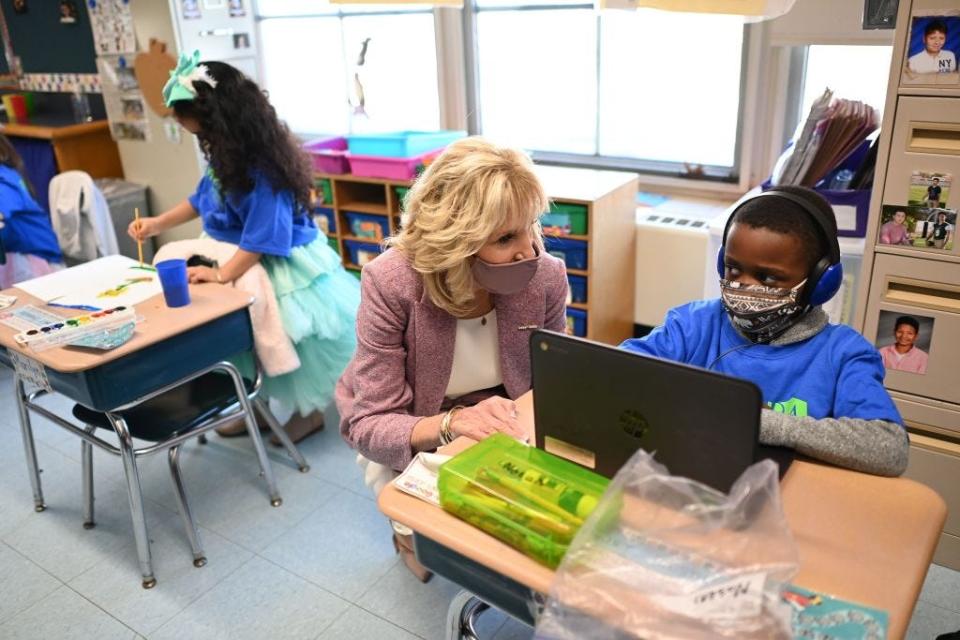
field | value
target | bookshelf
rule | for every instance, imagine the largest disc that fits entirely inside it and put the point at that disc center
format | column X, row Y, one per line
column 604, row 313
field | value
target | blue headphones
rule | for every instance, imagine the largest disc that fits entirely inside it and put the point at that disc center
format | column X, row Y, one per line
column 825, row 278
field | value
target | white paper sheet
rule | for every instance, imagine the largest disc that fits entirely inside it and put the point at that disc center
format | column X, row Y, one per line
column 87, row 284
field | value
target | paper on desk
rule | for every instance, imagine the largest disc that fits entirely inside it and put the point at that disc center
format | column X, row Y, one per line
column 110, row 281
column 420, row 477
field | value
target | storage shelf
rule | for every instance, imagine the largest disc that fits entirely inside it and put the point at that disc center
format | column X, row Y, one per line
column 568, row 236
column 374, row 208
column 578, row 305
column 578, row 272
column 349, row 177
column 352, row 267
column 364, row 240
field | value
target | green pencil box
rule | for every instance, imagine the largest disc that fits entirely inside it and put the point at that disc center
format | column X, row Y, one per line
column 529, row 499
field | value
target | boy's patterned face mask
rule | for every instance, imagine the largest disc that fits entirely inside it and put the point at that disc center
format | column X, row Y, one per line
column 760, row 311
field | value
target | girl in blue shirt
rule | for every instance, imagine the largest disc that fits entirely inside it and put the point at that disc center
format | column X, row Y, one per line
column 256, row 194
column 28, row 245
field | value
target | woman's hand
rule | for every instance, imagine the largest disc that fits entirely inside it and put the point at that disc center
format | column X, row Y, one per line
column 493, row 415
column 197, row 275
column 144, row 228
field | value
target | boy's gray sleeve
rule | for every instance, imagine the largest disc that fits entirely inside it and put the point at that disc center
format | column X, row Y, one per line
column 871, row 446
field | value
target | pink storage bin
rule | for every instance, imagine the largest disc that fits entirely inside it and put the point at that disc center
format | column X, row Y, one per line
column 389, row 168
column 329, row 155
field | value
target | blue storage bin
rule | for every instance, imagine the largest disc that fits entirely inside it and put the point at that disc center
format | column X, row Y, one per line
column 401, row 144
column 577, row 323
column 326, row 220
column 361, row 252
column 572, row 252
column 367, row 226
column 578, row 289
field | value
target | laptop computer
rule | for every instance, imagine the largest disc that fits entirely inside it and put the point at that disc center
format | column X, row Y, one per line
column 596, row 405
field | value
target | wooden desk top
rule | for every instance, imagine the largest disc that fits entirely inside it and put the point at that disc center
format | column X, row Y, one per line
column 45, row 132
column 207, row 302
column 860, row 537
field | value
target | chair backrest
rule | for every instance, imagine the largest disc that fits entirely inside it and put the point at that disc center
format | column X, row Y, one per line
column 81, row 217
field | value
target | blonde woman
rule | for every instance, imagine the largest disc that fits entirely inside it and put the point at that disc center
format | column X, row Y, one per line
column 446, row 313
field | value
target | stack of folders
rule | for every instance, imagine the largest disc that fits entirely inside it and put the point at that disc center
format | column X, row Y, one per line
column 832, row 131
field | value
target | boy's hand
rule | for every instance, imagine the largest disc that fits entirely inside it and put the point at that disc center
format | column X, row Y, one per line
column 143, row 228
column 197, row 275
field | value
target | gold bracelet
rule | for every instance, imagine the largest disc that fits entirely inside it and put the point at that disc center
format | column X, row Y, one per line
column 446, row 435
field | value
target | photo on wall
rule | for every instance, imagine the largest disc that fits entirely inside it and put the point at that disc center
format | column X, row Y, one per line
column 929, row 189
column 933, row 49
column 903, row 341
column 919, row 227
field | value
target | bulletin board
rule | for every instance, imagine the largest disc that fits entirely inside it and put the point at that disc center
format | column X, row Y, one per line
column 44, row 44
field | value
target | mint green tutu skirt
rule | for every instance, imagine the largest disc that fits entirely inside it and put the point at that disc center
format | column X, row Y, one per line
column 318, row 303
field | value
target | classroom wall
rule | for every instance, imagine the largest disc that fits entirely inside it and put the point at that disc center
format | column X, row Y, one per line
column 44, row 45
column 825, row 22
column 170, row 169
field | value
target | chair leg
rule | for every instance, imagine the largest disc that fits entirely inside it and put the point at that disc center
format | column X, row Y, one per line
column 265, row 469
column 173, row 457
column 136, row 500
column 277, row 430
column 29, row 449
column 86, row 459
column 462, row 614
column 202, row 438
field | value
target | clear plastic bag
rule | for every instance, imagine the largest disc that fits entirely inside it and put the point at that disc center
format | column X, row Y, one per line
column 666, row 557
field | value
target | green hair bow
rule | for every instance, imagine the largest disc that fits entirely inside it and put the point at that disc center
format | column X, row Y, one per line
column 180, row 85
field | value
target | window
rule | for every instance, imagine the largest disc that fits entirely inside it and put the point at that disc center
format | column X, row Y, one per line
column 310, row 50
column 643, row 89
column 854, row 72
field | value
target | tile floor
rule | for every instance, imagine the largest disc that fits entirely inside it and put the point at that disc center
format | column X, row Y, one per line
column 319, row 567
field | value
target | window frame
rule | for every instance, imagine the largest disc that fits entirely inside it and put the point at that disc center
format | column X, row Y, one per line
column 721, row 175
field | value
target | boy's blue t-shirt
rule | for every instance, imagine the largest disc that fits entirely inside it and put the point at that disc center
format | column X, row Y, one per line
column 261, row 221
column 834, row 374
column 27, row 227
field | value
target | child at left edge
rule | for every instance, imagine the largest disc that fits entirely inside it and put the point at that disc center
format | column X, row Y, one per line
column 822, row 383
column 256, row 194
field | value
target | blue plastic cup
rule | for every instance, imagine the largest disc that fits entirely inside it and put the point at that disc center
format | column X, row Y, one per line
column 173, row 279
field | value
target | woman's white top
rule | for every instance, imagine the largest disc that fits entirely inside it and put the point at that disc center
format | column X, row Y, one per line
column 476, row 356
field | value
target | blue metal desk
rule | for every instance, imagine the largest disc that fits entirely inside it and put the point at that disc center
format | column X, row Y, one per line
column 170, row 347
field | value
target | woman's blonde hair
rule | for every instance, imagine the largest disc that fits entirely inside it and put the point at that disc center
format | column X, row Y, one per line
column 472, row 191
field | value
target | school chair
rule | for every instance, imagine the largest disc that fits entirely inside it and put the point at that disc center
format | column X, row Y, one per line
column 167, row 418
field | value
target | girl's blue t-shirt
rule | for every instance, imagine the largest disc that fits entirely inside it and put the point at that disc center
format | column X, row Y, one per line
column 262, row 221
column 27, row 227
column 834, row 374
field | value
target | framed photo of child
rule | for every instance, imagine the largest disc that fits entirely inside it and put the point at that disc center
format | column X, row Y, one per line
column 933, row 49
column 903, row 340
column 929, row 189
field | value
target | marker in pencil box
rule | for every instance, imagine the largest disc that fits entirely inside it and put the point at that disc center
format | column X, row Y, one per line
column 70, row 329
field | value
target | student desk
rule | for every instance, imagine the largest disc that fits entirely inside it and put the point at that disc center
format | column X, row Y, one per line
column 169, row 347
column 862, row 538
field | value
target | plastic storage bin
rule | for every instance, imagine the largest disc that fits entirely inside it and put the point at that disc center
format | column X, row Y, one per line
column 577, row 323
column 389, row 168
column 122, row 199
column 334, row 245
column 401, row 194
column 361, row 252
column 367, row 226
column 533, row 501
column 572, row 252
column 578, row 289
column 329, row 155
column 400, row 144
column 325, row 219
column 565, row 219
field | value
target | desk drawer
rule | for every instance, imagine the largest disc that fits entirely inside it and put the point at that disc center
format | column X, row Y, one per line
column 927, row 291
column 122, row 381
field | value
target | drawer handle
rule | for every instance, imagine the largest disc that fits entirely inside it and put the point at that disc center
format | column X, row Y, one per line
column 934, row 137
column 918, row 293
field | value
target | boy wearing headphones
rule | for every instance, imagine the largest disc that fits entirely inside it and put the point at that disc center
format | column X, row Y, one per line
column 822, row 383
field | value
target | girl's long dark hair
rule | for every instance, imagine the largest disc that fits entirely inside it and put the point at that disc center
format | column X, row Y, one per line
column 240, row 133
column 10, row 158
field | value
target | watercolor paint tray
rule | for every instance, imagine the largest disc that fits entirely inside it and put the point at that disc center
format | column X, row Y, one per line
column 99, row 329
